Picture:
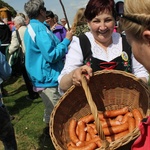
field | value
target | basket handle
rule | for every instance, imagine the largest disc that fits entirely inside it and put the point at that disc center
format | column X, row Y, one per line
column 94, row 111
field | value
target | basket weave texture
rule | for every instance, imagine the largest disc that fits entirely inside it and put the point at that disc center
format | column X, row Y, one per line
column 110, row 90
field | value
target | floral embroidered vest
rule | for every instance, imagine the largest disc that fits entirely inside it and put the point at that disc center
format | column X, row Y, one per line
column 122, row 62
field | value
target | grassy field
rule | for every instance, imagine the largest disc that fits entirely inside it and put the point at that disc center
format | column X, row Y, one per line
column 28, row 123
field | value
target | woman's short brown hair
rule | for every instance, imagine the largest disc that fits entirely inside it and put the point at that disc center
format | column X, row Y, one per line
column 94, row 7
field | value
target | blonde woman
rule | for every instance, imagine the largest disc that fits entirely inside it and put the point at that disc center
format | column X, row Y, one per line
column 80, row 24
column 136, row 23
column 104, row 49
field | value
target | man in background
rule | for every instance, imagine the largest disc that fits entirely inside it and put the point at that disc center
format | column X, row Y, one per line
column 64, row 23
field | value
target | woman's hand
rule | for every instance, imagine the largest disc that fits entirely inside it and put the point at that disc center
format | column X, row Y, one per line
column 75, row 77
column 69, row 34
column 77, row 74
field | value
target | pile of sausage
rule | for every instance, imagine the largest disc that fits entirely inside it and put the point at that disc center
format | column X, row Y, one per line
column 115, row 124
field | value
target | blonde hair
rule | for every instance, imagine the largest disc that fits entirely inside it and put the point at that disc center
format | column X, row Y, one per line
column 78, row 19
column 136, row 17
column 21, row 14
column 19, row 20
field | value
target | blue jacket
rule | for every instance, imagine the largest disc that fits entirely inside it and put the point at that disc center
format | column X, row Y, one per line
column 43, row 56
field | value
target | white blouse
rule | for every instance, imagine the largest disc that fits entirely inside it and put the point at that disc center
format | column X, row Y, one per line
column 14, row 40
column 74, row 58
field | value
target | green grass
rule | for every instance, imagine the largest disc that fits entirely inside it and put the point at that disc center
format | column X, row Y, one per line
column 28, row 122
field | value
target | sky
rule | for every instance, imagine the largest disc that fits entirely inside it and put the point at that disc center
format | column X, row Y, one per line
column 71, row 6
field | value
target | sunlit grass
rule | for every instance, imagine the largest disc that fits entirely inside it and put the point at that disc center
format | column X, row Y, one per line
column 28, row 122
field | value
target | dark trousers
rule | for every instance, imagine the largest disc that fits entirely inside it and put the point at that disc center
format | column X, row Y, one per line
column 28, row 83
column 3, row 49
column 7, row 135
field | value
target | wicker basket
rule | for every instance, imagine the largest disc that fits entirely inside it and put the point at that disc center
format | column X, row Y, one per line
column 109, row 90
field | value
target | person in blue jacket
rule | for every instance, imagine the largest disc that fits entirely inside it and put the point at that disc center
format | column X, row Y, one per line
column 43, row 57
column 7, row 134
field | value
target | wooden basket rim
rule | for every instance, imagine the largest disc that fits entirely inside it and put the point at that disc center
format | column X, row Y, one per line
column 132, row 135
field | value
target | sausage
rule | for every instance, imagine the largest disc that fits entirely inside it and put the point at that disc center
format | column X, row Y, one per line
column 91, row 131
column 77, row 132
column 119, row 118
column 131, row 122
column 96, row 140
column 81, row 131
column 101, row 116
column 70, row 144
column 93, row 136
column 115, row 113
column 125, row 117
column 90, row 118
column 99, row 143
column 115, row 129
column 116, row 136
column 93, row 126
column 87, row 118
column 90, row 146
column 88, row 137
column 109, row 123
column 138, row 116
column 72, row 131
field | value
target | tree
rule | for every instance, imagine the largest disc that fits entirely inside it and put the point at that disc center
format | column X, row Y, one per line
column 12, row 10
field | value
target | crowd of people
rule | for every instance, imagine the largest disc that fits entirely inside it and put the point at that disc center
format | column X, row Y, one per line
column 115, row 39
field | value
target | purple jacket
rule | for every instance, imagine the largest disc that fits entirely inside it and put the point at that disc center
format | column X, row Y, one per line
column 60, row 32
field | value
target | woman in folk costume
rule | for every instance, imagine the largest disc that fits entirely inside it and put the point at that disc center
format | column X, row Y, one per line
column 136, row 23
column 99, row 49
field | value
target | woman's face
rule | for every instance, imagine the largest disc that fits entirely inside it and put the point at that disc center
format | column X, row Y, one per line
column 140, row 49
column 102, row 26
column 49, row 20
